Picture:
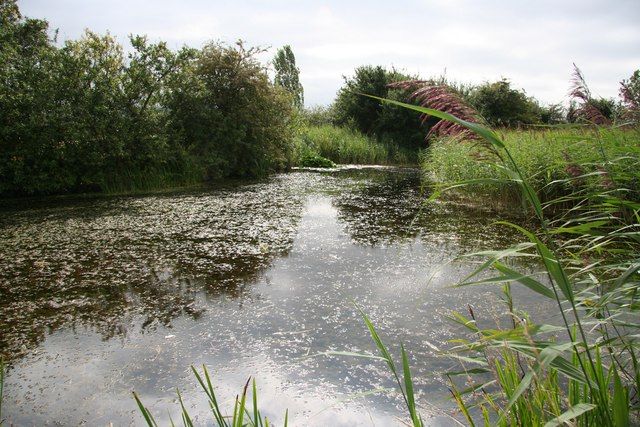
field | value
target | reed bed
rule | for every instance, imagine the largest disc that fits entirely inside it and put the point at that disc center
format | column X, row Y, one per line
column 343, row 145
column 583, row 371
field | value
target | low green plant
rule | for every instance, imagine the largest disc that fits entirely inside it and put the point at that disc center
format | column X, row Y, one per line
column 311, row 160
column 240, row 416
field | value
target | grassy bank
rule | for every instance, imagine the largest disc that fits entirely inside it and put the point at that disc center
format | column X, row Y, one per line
column 556, row 162
column 347, row 146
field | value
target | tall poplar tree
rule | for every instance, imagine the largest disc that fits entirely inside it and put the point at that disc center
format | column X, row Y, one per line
column 288, row 74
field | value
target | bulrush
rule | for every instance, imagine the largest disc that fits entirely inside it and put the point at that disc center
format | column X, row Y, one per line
column 587, row 109
column 441, row 97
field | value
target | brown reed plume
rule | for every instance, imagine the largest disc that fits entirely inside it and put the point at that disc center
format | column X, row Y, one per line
column 587, row 110
column 630, row 98
column 440, row 97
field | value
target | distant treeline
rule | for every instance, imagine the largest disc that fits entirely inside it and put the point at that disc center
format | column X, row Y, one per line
column 85, row 116
column 497, row 104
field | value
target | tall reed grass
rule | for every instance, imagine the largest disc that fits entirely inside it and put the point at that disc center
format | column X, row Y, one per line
column 347, row 146
column 158, row 178
column 245, row 410
column 555, row 162
column 585, row 370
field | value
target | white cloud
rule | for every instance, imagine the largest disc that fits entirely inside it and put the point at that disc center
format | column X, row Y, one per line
column 532, row 43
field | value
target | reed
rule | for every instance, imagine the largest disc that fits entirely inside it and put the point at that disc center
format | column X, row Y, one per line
column 556, row 162
column 245, row 411
column 343, row 145
column 585, row 370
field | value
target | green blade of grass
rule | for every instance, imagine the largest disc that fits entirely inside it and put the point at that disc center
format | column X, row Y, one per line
column 145, row 412
column 620, row 401
column 185, row 414
column 572, row 413
column 408, row 385
column 383, row 350
column 208, row 389
column 256, row 414
column 552, row 264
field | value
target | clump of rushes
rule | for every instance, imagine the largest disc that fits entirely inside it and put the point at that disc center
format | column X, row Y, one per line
column 343, row 145
column 584, row 371
column 240, row 417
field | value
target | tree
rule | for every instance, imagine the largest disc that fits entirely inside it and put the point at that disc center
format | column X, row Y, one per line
column 373, row 118
column 288, row 75
column 500, row 105
column 552, row 114
column 226, row 113
column 29, row 153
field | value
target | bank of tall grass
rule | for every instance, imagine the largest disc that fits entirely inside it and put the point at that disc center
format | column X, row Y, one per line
column 344, row 145
column 584, row 369
column 556, row 162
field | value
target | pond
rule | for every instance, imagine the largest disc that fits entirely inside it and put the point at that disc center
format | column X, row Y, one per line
column 101, row 296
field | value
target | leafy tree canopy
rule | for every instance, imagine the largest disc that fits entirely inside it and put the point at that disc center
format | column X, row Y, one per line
column 501, row 105
column 369, row 116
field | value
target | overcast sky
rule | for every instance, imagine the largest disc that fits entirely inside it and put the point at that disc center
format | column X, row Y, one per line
column 533, row 43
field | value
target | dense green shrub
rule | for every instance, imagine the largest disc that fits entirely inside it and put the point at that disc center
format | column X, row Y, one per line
column 317, row 115
column 500, row 105
column 311, row 160
column 387, row 123
column 85, row 116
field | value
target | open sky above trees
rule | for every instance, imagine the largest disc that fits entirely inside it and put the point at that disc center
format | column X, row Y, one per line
column 532, row 43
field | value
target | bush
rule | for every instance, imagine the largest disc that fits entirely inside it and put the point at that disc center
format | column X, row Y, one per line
column 315, row 161
column 373, row 119
column 500, row 105
column 317, row 116
column 223, row 109
column 85, row 116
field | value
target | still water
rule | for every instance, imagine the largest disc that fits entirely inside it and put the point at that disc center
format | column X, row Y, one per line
column 102, row 296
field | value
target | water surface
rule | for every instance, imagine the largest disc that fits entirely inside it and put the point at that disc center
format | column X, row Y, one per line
column 104, row 295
